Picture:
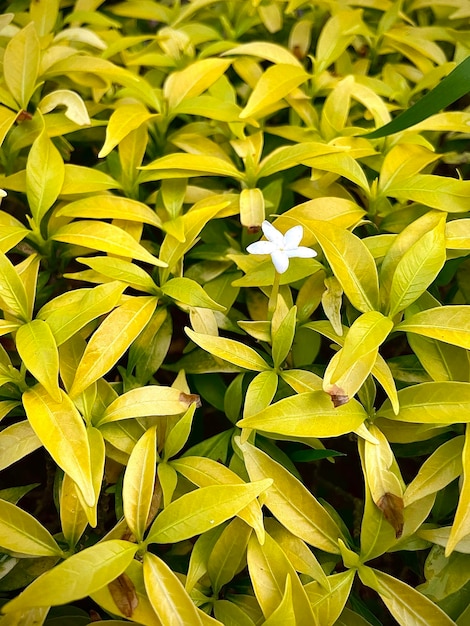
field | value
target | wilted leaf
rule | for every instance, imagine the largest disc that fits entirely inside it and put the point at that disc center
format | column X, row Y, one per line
column 123, row 591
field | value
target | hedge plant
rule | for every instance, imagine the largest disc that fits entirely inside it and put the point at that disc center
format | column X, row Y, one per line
column 235, row 329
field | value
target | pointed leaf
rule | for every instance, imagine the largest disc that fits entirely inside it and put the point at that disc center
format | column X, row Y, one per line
column 13, row 298
column 276, row 83
column 77, row 577
column 407, row 605
column 193, row 79
column 447, row 323
column 106, row 238
column 352, row 264
column 291, row 503
column 309, row 414
column 190, row 292
column 169, row 598
column 38, row 351
column 62, row 432
column 21, row 64
column 124, row 120
column 229, row 350
column 147, row 401
column 138, row 484
column 444, row 402
column 21, row 533
column 198, row 511
column 112, row 339
column 44, row 176
column 110, row 207
column 328, row 605
column 461, row 525
column 17, row 441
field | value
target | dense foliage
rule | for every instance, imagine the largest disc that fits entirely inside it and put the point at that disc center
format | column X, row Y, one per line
column 193, row 434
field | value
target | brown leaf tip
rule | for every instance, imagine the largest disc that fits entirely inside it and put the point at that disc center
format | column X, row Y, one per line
column 392, row 509
column 189, row 398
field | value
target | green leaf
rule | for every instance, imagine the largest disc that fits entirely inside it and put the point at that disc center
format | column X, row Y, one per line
column 139, row 481
column 228, row 554
column 277, row 82
column 122, row 270
column 352, row 264
column 283, row 337
column 229, row 350
column 21, row 64
column 204, row 472
column 444, row 402
column 407, row 605
column 73, row 519
column 327, row 605
column 44, row 176
column 106, row 238
column 336, row 35
column 450, row 89
column 80, row 179
column 112, row 339
column 13, row 298
column 437, row 192
column 450, row 324
column 441, row 468
column 17, row 441
column 102, row 207
column 22, row 534
column 77, row 577
column 260, row 392
column 124, row 120
column 182, row 165
column 269, row 568
column 417, row 268
column 291, row 503
column 178, row 435
column 349, row 368
column 62, row 432
column 168, row 597
column 38, row 351
column 147, row 401
column 190, row 292
column 461, row 524
column 198, row 511
column 67, row 314
column 193, row 80
column 309, row 414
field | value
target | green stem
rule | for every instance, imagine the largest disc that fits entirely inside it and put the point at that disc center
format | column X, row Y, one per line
column 273, row 296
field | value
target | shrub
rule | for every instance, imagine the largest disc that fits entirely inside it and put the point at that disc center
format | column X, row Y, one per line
column 196, row 434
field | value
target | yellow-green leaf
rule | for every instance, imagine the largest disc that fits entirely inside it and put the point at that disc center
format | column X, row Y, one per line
column 38, row 351
column 442, row 467
column 193, row 79
column 309, row 414
column 73, row 518
column 198, row 511
column 276, row 83
column 77, row 577
column 407, row 605
column 190, row 292
column 44, row 176
column 445, row 402
column 105, row 237
column 62, row 432
column 450, row 324
column 229, row 350
column 22, row 534
column 461, row 525
column 291, row 503
column 327, row 605
column 139, row 481
column 169, row 599
column 110, row 207
column 182, row 165
column 252, row 209
column 21, row 64
column 228, row 554
column 269, row 568
column 17, row 441
column 352, row 264
column 123, row 120
column 13, row 297
column 112, row 339
column 147, row 401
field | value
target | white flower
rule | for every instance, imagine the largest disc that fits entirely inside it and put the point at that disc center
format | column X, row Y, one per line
column 281, row 247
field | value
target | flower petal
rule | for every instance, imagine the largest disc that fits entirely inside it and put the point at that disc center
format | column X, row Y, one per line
column 293, row 237
column 301, row 252
column 261, row 247
column 280, row 261
column 272, row 234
